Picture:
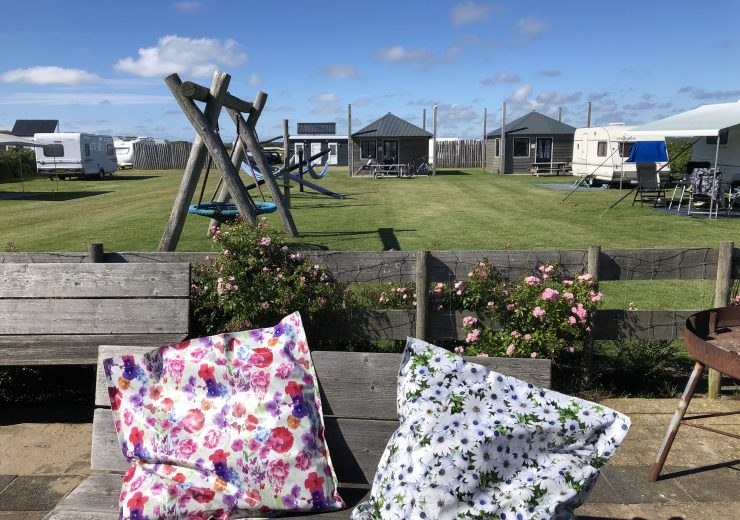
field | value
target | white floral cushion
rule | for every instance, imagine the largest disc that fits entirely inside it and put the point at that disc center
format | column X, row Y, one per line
column 223, row 426
column 473, row 443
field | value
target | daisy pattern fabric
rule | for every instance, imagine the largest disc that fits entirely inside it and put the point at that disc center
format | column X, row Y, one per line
column 473, row 443
column 221, row 426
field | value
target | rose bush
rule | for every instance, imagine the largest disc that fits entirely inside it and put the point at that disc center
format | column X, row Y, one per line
column 255, row 280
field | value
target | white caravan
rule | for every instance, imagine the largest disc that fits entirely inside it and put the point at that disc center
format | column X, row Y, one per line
column 600, row 153
column 65, row 155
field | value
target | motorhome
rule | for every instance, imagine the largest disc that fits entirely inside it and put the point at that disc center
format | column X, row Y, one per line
column 600, row 154
column 65, row 155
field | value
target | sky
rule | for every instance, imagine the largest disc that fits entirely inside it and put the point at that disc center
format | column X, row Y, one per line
column 99, row 66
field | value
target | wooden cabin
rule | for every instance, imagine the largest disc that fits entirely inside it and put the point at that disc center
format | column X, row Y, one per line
column 311, row 138
column 389, row 138
column 532, row 142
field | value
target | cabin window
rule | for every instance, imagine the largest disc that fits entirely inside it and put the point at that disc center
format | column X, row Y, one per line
column 712, row 139
column 601, row 149
column 521, row 147
column 497, row 147
column 87, row 150
column 625, row 149
column 53, row 150
column 367, row 149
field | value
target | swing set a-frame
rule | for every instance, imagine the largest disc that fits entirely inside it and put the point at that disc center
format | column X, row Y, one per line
column 209, row 146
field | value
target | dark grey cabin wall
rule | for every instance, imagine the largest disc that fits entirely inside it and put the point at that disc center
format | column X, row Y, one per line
column 342, row 153
column 409, row 148
column 562, row 151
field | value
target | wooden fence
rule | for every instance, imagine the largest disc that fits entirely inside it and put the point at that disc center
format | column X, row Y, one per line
column 460, row 153
column 169, row 156
column 445, row 266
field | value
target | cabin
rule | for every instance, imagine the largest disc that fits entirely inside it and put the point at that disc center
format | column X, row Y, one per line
column 533, row 143
column 389, row 139
column 312, row 138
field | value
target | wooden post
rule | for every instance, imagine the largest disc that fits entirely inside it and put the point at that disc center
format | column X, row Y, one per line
column 721, row 297
column 196, row 161
column 95, row 253
column 423, row 118
column 249, row 135
column 483, row 148
column 588, row 115
column 434, row 142
column 560, row 114
column 286, row 164
column 422, row 294
column 350, row 148
column 592, row 268
column 502, row 144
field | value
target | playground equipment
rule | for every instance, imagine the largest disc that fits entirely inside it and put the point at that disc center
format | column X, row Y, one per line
column 209, row 144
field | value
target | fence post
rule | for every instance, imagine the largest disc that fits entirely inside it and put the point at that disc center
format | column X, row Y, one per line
column 422, row 294
column 592, row 268
column 95, row 253
column 721, row 296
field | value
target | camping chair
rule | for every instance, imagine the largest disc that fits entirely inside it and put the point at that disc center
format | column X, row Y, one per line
column 685, row 182
column 649, row 187
column 706, row 188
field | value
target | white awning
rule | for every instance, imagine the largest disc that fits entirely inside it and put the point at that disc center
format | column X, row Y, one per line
column 12, row 140
column 702, row 121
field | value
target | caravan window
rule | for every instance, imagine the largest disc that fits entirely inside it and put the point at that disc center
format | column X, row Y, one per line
column 601, row 149
column 53, row 150
column 109, row 150
column 625, row 149
column 521, row 147
column 87, row 150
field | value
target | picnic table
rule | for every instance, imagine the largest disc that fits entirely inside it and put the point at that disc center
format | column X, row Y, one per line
column 548, row 167
column 382, row 170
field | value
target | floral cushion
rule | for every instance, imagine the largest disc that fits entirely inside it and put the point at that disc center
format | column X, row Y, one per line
column 473, row 443
column 222, row 425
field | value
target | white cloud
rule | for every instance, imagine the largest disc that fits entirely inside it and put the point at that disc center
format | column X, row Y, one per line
column 190, row 56
column 254, row 79
column 189, row 6
column 557, row 98
column 326, row 109
column 501, row 77
column 521, row 95
column 326, row 97
column 400, row 54
column 82, row 98
column 549, row 73
column 719, row 95
column 49, row 75
column 471, row 12
column 532, row 27
column 341, row 71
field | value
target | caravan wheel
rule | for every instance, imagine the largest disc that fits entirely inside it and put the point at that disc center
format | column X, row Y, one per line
column 593, row 182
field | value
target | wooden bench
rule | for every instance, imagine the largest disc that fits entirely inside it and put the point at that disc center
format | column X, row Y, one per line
column 358, row 392
column 547, row 167
column 60, row 313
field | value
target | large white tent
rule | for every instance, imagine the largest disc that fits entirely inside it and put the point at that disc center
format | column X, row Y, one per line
column 12, row 140
column 706, row 120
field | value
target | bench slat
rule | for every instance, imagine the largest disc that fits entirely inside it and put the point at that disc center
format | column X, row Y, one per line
column 51, row 316
column 357, row 384
column 94, row 280
column 96, row 498
column 71, row 349
column 355, row 445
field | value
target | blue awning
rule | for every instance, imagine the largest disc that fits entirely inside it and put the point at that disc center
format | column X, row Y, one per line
column 648, row 151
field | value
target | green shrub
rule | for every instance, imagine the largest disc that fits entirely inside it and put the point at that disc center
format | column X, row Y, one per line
column 256, row 280
column 11, row 162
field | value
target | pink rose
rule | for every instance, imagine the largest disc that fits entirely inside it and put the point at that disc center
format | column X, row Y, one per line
column 585, row 278
column 278, row 471
column 567, row 282
column 482, row 355
column 510, row 349
column 538, row 312
column 533, row 355
column 531, row 280
column 176, row 366
column 472, row 336
column 212, row 439
column 193, row 420
column 261, row 382
column 469, row 320
column 569, row 296
column 510, row 306
column 303, row 460
column 596, row 297
column 550, row 294
column 572, row 320
column 186, row 449
column 527, row 337
column 266, row 241
column 459, row 350
column 284, row 370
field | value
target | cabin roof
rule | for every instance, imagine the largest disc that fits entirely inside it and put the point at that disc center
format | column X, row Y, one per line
column 28, row 127
column 391, row 126
column 534, row 123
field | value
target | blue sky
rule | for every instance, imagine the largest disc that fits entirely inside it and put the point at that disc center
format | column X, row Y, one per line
column 98, row 66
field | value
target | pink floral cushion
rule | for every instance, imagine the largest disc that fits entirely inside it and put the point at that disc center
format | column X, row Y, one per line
column 222, row 425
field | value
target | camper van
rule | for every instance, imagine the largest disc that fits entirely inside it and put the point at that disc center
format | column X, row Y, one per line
column 705, row 149
column 65, row 155
column 600, row 154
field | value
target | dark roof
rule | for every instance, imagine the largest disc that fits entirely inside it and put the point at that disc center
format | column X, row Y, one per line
column 28, row 127
column 317, row 128
column 535, row 123
column 391, row 126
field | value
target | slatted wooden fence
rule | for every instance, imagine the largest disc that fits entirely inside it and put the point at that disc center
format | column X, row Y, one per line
column 446, row 266
column 168, row 156
column 460, row 153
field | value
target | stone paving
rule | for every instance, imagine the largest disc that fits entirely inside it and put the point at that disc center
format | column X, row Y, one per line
column 41, row 462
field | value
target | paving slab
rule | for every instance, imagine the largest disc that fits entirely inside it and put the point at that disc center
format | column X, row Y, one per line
column 36, row 493
column 665, row 511
column 5, row 480
column 633, row 405
column 633, row 487
column 45, row 448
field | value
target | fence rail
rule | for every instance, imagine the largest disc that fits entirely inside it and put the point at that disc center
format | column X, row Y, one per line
column 168, row 156
column 460, row 153
column 401, row 266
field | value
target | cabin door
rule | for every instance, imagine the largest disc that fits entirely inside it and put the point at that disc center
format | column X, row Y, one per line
column 316, row 148
column 298, row 152
column 544, row 150
column 390, row 152
column 333, row 153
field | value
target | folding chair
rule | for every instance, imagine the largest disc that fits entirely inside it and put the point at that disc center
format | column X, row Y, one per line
column 649, row 187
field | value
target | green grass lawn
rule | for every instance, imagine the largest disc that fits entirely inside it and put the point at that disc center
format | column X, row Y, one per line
column 457, row 209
